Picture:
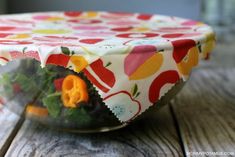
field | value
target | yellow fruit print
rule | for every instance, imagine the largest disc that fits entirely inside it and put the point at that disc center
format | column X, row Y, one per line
column 151, row 65
column 209, row 45
column 51, row 31
column 20, row 36
column 141, row 29
column 55, row 18
column 189, row 61
column 79, row 62
column 143, row 62
column 89, row 14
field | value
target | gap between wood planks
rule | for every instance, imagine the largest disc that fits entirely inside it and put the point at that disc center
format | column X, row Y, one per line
column 12, row 135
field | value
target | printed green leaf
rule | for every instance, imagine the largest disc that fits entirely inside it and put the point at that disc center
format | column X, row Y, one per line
column 65, row 50
column 108, row 64
column 24, row 49
column 72, row 53
column 199, row 47
column 137, row 94
column 134, row 90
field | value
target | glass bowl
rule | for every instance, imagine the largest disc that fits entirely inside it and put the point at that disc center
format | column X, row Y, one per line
column 45, row 95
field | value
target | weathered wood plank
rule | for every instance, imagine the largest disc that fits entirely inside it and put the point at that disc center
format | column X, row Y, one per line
column 155, row 136
column 10, row 123
column 205, row 111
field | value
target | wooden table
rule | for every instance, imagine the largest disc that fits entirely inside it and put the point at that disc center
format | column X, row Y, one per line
column 200, row 119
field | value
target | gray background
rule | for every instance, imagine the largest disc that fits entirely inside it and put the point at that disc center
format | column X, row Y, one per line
column 183, row 8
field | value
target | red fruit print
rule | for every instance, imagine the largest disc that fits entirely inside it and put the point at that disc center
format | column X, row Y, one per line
column 144, row 17
column 137, row 57
column 5, row 59
column 16, row 55
column 102, row 73
column 133, row 105
column 6, row 28
column 33, row 54
column 175, row 35
column 137, row 35
column 12, row 42
column 4, row 35
column 180, row 35
column 58, row 59
column 166, row 77
column 58, row 84
column 95, row 81
column 19, row 55
column 91, row 41
column 72, row 13
column 181, row 48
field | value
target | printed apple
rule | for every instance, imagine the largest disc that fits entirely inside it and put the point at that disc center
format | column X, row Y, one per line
column 142, row 61
column 137, row 35
column 12, row 28
column 100, row 75
column 91, row 41
column 180, row 35
column 5, row 57
column 7, row 28
column 123, row 105
column 144, row 17
column 186, row 55
column 58, row 59
column 4, row 35
column 72, row 13
column 3, row 60
column 14, row 42
column 166, row 77
column 28, row 54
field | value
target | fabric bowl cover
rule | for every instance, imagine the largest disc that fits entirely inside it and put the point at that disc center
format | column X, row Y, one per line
column 132, row 59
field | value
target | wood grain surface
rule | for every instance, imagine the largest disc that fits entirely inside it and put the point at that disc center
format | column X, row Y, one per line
column 154, row 136
column 9, row 124
column 205, row 111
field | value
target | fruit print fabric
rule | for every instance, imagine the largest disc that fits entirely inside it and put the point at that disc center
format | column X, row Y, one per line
column 132, row 59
